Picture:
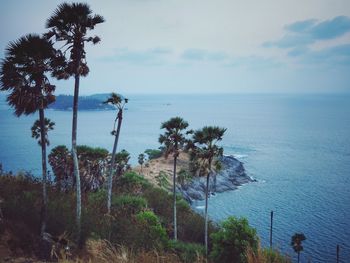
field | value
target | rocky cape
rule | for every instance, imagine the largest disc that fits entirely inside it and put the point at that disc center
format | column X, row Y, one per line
column 230, row 177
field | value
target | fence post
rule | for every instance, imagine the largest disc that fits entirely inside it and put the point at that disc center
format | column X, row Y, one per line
column 271, row 229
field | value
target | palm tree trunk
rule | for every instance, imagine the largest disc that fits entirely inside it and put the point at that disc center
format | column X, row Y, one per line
column 206, row 216
column 298, row 257
column 110, row 176
column 74, row 152
column 44, row 170
column 174, row 196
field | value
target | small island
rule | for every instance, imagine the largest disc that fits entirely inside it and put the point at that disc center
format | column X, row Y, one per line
column 86, row 103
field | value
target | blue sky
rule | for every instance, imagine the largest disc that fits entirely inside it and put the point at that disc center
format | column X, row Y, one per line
column 191, row 46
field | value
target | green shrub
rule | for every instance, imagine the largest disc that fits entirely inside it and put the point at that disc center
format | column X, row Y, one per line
column 98, row 197
column 162, row 180
column 231, row 242
column 128, row 204
column 152, row 234
column 188, row 252
column 131, row 182
column 153, row 153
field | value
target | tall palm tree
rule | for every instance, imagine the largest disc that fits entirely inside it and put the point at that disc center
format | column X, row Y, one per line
column 118, row 102
column 296, row 243
column 70, row 23
column 23, row 74
column 173, row 140
column 206, row 151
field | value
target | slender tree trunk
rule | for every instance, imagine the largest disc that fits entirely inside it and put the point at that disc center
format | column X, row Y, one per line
column 206, row 209
column 44, row 170
column 298, row 257
column 174, row 196
column 110, row 176
column 74, row 152
column 206, row 216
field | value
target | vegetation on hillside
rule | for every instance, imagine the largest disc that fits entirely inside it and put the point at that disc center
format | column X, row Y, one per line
column 67, row 219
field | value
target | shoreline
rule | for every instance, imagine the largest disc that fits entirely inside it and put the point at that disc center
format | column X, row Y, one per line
column 229, row 178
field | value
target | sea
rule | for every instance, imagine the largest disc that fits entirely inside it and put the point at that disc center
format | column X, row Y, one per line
column 297, row 147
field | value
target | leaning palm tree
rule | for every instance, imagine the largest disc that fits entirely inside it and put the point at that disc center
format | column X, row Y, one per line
column 206, row 151
column 118, row 102
column 173, row 140
column 23, row 74
column 69, row 23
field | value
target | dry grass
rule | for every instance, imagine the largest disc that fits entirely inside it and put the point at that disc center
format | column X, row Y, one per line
column 102, row 251
column 163, row 164
column 266, row 256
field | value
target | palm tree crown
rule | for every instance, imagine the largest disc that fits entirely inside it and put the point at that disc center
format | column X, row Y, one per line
column 173, row 137
column 204, row 147
column 23, row 73
column 70, row 23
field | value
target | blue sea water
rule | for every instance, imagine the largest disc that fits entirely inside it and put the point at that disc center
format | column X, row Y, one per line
column 296, row 146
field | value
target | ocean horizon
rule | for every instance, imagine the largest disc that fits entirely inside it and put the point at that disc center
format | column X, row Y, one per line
column 297, row 147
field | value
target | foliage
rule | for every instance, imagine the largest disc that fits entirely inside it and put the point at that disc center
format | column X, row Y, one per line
column 162, row 180
column 183, row 177
column 231, row 242
column 296, row 242
column 30, row 89
column 122, row 163
column 70, row 23
column 173, row 138
column 152, row 233
column 92, row 165
column 131, row 182
column 153, row 153
column 188, row 252
column 141, row 159
column 266, row 255
column 128, row 204
column 36, row 130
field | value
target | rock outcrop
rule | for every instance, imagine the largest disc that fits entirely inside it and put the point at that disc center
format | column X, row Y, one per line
column 229, row 178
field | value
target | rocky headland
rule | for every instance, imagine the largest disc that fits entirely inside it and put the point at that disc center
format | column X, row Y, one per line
column 230, row 177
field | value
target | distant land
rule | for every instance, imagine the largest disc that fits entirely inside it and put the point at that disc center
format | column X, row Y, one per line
column 92, row 102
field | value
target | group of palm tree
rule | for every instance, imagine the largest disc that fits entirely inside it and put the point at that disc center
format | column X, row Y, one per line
column 203, row 149
column 25, row 74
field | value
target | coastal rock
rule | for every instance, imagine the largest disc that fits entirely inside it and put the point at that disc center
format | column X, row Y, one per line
column 229, row 178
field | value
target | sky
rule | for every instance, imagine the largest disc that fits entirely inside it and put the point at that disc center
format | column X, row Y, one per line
column 204, row 46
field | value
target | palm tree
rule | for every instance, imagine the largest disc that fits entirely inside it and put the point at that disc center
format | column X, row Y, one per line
column 141, row 160
column 173, row 140
column 206, row 152
column 36, row 130
column 23, row 73
column 118, row 102
column 297, row 239
column 70, row 23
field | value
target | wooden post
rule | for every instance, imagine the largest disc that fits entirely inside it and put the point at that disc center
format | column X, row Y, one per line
column 271, row 229
column 338, row 248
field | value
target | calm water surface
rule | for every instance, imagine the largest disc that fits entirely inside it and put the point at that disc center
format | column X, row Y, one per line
column 297, row 147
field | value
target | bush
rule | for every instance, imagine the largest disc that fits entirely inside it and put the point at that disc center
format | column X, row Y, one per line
column 131, row 182
column 128, row 204
column 188, row 252
column 152, row 234
column 153, row 153
column 231, row 242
